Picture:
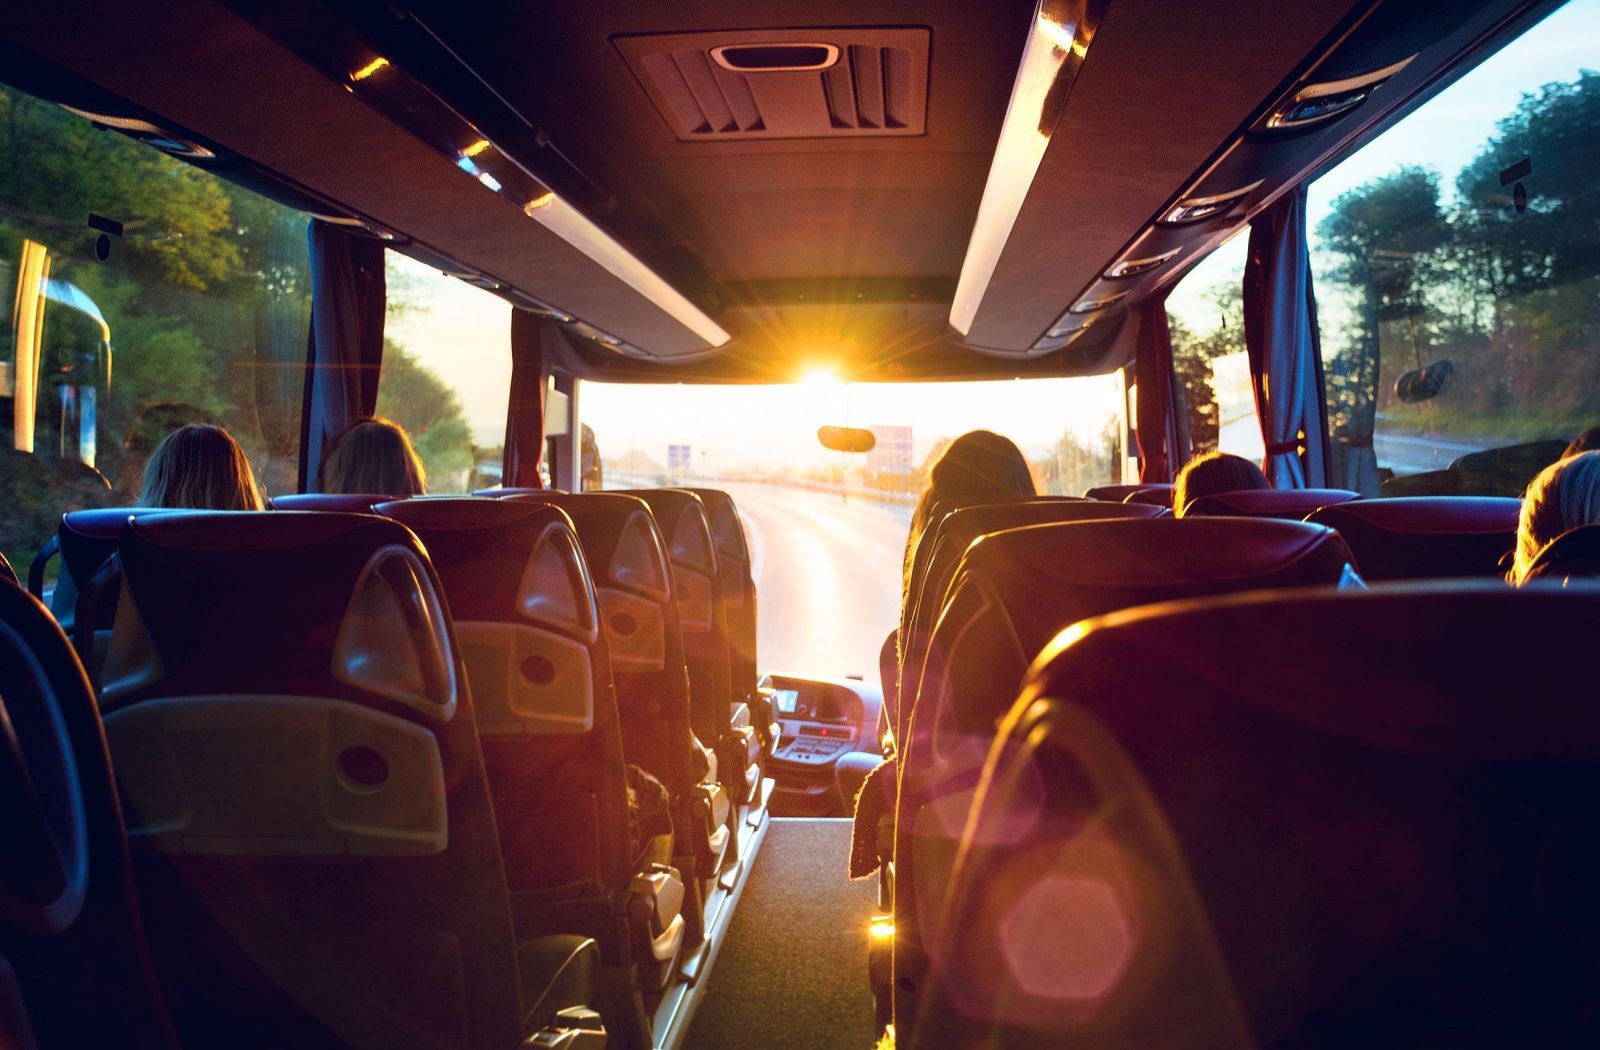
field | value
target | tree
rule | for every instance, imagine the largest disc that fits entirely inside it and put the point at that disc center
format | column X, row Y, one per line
column 1192, row 356
column 415, row 397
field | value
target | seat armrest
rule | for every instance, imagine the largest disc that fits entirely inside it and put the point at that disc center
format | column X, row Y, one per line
column 655, row 906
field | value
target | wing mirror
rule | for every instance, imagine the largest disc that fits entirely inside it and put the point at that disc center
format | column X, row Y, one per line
column 846, row 439
column 1422, row 384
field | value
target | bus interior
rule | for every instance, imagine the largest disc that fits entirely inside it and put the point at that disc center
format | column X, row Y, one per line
column 678, row 713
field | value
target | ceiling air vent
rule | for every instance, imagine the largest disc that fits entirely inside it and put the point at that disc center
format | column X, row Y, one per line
column 798, row 83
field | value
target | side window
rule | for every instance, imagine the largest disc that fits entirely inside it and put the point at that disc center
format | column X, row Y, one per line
column 1457, row 268
column 1206, row 315
column 446, row 373
column 140, row 294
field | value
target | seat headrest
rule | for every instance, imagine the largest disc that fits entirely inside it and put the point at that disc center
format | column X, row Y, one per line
column 1289, row 504
column 1575, row 554
column 505, row 561
column 1426, row 515
column 1120, row 493
column 726, row 527
column 620, row 539
column 293, row 603
column 682, row 518
column 1050, row 575
column 345, row 502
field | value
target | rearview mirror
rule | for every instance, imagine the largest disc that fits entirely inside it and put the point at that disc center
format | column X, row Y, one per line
column 1421, row 384
column 846, row 439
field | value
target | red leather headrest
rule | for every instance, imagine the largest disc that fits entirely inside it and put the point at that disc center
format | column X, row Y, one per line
column 1425, row 537
column 1119, row 493
column 343, row 502
column 1288, row 504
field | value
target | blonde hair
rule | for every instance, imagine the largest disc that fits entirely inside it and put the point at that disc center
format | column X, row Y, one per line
column 374, row 456
column 1212, row 473
column 199, row 467
column 1565, row 495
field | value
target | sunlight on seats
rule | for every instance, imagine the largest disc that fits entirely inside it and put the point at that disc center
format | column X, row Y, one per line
column 370, row 68
column 881, row 930
column 1069, row 938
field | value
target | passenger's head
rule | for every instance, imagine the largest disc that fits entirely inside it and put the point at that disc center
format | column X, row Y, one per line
column 1565, row 495
column 1588, row 441
column 373, row 456
column 199, row 467
column 977, row 467
column 1212, row 473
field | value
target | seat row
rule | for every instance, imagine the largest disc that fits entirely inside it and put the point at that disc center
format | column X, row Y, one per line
column 390, row 778
column 991, row 585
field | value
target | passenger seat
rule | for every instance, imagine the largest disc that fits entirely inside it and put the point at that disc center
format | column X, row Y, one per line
column 1283, row 504
column 1311, row 818
column 313, row 840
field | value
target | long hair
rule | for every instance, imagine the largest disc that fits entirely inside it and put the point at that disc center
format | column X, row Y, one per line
column 199, row 467
column 1211, row 473
column 373, row 456
column 978, row 467
column 1565, row 495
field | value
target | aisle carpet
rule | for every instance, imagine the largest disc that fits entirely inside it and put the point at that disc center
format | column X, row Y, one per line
column 793, row 972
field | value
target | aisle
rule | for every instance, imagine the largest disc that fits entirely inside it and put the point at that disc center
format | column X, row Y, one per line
column 793, row 972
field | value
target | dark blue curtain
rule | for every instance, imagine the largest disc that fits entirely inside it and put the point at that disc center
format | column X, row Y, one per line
column 525, row 410
column 348, row 300
column 1280, row 328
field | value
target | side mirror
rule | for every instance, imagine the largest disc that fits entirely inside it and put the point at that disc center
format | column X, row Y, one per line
column 846, row 439
column 1422, row 384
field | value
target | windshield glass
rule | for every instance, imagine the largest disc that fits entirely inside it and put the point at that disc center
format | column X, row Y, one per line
column 141, row 294
column 828, row 529
column 1457, row 268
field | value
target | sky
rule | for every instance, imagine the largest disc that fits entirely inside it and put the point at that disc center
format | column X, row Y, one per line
column 461, row 332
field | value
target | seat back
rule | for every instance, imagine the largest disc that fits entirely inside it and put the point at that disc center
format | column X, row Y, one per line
column 344, row 502
column 73, row 957
column 738, row 589
column 85, row 540
column 1575, row 554
column 633, row 585
column 1425, row 537
column 1384, row 826
column 7, row 573
column 1012, row 593
column 960, row 528
column 1157, row 491
column 1284, row 504
column 702, row 612
column 529, row 630
column 303, row 788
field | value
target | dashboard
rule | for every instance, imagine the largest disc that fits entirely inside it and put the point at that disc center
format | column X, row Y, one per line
column 820, row 721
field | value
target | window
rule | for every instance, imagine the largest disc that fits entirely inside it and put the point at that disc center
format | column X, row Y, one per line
column 140, row 294
column 446, row 373
column 827, row 530
column 1457, row 268
column 1206, row 315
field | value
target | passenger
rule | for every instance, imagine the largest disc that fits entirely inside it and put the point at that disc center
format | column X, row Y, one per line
column 1212, row 473
column 199, row 467
column 1588, row 441
column 373, row 456
column 1564, row 496
column 977, row 467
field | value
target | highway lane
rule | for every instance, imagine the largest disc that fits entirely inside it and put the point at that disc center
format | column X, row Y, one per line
column 827, row 578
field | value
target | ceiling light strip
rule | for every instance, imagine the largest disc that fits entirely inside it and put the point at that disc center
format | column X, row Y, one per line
column 392, row 92
column 1057, row 42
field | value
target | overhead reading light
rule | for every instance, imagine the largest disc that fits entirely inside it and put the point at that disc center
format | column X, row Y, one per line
column 1199, row 209
column 1067, row 324
column 1316, row 103
column 1135, row 267
column 1089, row 306
column 1057, row 42
column 413, row 106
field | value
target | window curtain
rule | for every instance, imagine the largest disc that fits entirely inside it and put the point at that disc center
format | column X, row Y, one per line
column 525, row 412
column 1161, row 445
column 1280, row 328
column 348, row 301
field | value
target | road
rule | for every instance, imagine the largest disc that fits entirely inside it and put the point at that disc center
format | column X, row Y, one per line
column 1413, row 454
column 827, row 578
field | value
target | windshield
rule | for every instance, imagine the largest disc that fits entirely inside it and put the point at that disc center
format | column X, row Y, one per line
column 828, row 529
